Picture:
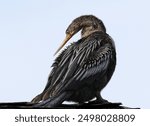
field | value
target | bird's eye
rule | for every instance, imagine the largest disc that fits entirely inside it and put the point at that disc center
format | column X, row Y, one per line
column 67, row 31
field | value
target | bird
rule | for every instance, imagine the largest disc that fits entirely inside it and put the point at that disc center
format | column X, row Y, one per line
column 82, row 69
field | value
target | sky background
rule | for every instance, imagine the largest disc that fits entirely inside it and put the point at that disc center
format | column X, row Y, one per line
column 32, row 30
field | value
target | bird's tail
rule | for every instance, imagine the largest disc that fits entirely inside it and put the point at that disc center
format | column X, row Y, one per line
column 53, row 101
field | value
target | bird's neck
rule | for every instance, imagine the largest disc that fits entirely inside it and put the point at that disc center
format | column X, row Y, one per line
column 87, row 33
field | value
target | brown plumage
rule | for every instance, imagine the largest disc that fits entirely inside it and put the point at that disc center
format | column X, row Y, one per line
column 84, row 68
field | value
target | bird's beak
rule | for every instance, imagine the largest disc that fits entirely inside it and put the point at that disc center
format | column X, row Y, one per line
column 68, row 36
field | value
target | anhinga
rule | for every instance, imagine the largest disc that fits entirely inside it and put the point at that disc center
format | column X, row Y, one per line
column 84, row 68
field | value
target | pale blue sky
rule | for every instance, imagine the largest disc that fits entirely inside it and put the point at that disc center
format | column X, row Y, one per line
column 31, row 31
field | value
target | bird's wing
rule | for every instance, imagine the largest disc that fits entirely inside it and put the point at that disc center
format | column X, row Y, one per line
column 92, row 57
column 59, row 67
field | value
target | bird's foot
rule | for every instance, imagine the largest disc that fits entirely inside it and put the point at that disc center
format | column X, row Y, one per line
column 99, row 101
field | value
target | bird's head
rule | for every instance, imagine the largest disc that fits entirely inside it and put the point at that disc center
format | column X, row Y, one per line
column 87, row 24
